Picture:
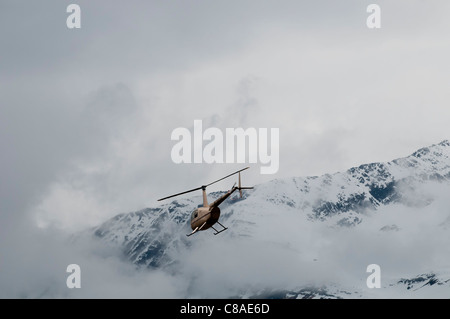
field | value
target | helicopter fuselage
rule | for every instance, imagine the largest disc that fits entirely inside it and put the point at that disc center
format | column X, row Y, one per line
column 209, row 214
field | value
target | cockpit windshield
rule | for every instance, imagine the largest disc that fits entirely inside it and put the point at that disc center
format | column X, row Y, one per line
column 194, row 214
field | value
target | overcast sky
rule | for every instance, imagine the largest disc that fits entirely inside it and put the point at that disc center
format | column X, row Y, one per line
column 86, row 114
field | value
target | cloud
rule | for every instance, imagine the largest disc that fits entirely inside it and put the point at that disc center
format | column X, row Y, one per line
column 282, row 250
column 285, row 250
column 34, row 264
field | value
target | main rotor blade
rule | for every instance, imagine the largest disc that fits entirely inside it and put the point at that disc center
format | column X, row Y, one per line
column 204, row 186
column 227, row 176
column 195, row 189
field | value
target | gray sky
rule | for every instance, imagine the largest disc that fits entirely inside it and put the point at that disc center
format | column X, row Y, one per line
column 86, row 115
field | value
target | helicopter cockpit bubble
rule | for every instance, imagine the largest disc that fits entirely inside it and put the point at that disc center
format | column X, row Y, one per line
column 194, row 214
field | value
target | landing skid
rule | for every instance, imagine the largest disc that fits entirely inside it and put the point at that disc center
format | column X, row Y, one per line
column 218, row 232
column 196, row 229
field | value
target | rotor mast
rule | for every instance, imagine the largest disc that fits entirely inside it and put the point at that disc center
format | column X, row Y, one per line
column 205, row 199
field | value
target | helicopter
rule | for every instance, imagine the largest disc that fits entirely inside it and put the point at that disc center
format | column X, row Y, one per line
column 207, row 215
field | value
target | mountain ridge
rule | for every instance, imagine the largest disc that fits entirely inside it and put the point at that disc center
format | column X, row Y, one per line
column 155, row 237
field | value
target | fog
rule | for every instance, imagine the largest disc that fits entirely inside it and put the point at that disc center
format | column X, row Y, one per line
column 274, row 255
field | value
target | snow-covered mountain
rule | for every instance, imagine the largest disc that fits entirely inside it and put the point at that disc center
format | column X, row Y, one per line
column 304, row 216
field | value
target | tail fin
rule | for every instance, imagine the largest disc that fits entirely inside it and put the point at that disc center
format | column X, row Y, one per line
column 240, row 187
column 240, row 190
